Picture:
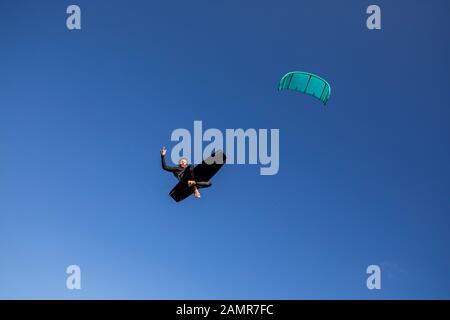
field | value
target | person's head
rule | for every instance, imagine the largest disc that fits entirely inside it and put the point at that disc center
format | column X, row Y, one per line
column 183, row 163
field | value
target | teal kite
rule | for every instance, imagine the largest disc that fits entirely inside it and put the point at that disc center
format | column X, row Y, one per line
column 307, row 83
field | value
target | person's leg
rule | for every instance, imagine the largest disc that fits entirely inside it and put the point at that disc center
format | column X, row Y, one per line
column 196, row 192
column 190, row 176
column 199, row 186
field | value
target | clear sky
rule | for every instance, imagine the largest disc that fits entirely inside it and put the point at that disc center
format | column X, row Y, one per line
column 84, row 113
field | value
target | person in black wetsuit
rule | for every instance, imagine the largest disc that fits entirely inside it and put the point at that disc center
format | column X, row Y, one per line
column 183, row 169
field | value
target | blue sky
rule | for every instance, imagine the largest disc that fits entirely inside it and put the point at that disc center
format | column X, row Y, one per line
column 84, row 113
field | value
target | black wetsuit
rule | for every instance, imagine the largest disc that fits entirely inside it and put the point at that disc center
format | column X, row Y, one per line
column 180, row 173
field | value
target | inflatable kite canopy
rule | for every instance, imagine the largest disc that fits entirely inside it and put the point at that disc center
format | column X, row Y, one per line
column 307, row 83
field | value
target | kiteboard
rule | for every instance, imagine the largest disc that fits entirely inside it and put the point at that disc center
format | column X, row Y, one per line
column 202, row 172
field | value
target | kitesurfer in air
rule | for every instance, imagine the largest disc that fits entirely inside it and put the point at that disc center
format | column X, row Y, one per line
column 186, row 171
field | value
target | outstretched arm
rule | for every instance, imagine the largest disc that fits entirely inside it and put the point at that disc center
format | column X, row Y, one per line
column 200, row 183
column 163, row 161
column 204, row 183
